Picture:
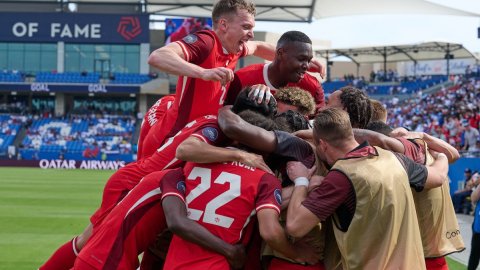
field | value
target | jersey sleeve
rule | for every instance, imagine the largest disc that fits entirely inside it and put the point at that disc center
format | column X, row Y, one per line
column 197, row 47
column 291, row 146
column 269, row 193
column 417, row 173
column 173, row 184
column 317, row 92
column 210, row 134
column 413, row 151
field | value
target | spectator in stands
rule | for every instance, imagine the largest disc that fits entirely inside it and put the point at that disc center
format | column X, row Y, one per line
column 471, row 136
column 458, row 198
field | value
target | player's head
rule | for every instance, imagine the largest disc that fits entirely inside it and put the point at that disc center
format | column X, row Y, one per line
column 233, row 21
column 257, row 119
column 354, row 102
column 380, row 127
column 293, row 55
column 243, row 102
column 379, row 112
column 295, row 99
column 291, row 121
column 331, row 130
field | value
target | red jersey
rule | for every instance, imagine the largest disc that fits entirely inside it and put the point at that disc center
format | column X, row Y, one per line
column 133, row 224
column 195, row 97
column 125, row 179
column 258, row 74
column 146, row 142
column 222, row 197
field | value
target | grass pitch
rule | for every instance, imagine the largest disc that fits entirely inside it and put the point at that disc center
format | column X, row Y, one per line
column 42, row 209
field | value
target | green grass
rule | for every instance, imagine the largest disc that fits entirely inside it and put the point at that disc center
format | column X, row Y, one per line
column 42, row 209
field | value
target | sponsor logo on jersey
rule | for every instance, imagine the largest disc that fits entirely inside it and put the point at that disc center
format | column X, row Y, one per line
column 181, row 186
column 210, row 133
column 278, row 196
column 190, row 39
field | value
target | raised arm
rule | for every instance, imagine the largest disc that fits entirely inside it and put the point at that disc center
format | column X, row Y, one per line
column 179, row 224
column 438, row 145
column 237, row 129
column 171, row 59
column 261, row 49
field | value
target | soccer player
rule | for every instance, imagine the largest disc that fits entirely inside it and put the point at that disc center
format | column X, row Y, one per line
column 292, row 59
column 152, row 117
column 204, row 62
column 374, row 216
column 295, row 99
column 355, row 102
column 222, row 197
column 121, row 182
column 436, row 216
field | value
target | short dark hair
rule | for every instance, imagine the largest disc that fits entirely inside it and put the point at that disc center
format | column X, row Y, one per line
column 226, row 7
column 358, row 106
column 333, row 126
column 258, row 120
column 293, row 36
column 243, row 102
column 380, row 127
column 293, row 120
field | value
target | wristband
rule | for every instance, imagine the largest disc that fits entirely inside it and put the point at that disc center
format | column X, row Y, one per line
column 301, row 181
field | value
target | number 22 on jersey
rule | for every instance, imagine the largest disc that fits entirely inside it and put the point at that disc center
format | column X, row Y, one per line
column 209, row 213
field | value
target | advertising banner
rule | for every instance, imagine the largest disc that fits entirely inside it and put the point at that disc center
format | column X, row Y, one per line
column 74, row 28
column 69, row 88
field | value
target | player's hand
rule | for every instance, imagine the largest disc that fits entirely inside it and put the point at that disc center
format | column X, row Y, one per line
column 296, row 169
column 237, row 257
column 221, row 74
column 315, row 181
column 316, row 66
column 254, row 160
column 306, row 134
column 260, row 92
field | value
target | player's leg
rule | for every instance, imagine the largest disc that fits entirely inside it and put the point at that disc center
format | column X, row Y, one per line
column 128, row 229
column 115, row 189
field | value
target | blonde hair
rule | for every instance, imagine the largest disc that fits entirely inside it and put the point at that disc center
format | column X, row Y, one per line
column 297, row 97
column 226, row 7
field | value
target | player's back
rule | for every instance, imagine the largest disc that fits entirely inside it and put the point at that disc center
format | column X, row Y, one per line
column 222, row 198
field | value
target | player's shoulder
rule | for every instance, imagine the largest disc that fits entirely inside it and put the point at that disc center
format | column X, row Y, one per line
column 250, row 68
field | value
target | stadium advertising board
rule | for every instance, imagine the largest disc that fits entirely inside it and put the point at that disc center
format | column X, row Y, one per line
column 74, row 28
column 66, row 88
column 176, row 28
column 66, row 164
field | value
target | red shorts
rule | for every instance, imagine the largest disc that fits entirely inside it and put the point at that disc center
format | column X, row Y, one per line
column 117, row 187
column 128, row 229
column 279, row 264
column 436, row 263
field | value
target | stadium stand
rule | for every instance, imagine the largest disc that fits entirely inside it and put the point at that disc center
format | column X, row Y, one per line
column 68, row 77
column 79, row 138
column 9, row 128
column 129, row 78
column 11, row 76
column 443, row 114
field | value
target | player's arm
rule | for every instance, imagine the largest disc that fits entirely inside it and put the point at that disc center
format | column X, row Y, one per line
column 437, row 172
column 261, row 49
column 378, row 139
column 172, row 59
column 195, row 150
column 234, row 127
column 438, row 145
column 178, row 222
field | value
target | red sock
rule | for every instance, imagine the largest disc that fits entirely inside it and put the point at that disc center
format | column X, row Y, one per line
column 63, row 258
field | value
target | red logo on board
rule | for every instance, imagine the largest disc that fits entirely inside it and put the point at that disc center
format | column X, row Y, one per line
column 129, row 27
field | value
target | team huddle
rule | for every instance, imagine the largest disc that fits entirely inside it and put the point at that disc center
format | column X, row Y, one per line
column 231, row 174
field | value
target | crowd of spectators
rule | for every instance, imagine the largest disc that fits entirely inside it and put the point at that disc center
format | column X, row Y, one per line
column 93, row 135
column 451, row 114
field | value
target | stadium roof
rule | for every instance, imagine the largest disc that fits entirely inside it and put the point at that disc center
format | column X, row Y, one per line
column 396, row 53
column 267, row 10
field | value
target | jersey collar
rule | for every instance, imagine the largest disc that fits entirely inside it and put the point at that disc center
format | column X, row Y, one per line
column 265, row 77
